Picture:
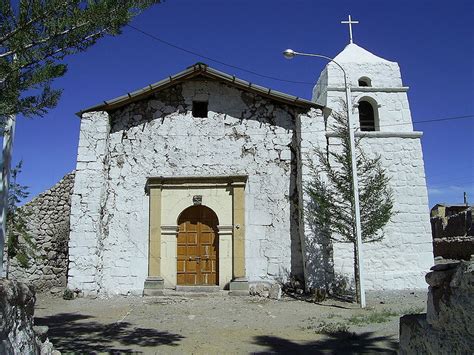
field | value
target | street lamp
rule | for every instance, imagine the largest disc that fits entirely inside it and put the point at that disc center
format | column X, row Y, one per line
column 290, row 54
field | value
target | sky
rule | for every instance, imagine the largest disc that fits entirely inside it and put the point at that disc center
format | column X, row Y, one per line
column 432, row 41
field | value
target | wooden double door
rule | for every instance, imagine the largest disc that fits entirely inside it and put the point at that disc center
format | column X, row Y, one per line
column 197, row 247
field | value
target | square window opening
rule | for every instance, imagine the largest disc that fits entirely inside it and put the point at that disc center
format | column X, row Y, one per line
column 200, row 109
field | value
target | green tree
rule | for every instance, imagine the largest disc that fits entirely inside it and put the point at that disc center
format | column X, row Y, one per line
column 36, row 35
column 20, row 244
column 330, row 208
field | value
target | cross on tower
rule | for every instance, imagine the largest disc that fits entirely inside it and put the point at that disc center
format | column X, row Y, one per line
column 350, row 22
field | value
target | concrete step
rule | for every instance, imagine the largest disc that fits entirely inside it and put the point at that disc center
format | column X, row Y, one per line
column 198, row 288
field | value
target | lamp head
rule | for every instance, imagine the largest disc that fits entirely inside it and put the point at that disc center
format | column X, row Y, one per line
column 289, row 53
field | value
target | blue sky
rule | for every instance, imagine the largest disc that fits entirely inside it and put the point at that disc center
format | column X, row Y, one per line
column 432, row 41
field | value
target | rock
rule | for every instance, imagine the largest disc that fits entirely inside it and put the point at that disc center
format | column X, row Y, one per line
column 437, row 278
column 17, row 302
column 260, row 290
column 275, row 292
column 41, row 331
column 56, row 290
column 446, row 328
column 445, row 266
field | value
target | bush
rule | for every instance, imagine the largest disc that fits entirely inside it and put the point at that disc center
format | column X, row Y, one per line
column 68, row 294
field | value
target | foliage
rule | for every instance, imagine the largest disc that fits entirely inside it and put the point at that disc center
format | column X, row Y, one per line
column 36, row 35
column 68, row 294
column 330, row 328
column 331, row 198
column 20, row 244
column 373, row 317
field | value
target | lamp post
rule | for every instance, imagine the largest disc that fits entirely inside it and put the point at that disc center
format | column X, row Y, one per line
column 290, row 54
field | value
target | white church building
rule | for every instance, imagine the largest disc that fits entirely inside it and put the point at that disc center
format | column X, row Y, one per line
column 198, row 180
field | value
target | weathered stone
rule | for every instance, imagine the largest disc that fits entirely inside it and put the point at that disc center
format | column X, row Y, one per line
column 49, row 231
column 447, row 326
column 18, row 335
column 275, row 292
column 437, row 278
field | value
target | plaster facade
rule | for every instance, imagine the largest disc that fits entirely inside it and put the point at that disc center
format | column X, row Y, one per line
column 244, row 134
column 123, row 233
column 402, row 258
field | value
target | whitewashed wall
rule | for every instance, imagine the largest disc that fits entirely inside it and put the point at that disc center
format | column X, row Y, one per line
column 243, row 135
column 402, row 259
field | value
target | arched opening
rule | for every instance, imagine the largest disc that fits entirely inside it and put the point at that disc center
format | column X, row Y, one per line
column 366, row 116
column 197, row 247
column 365, row 81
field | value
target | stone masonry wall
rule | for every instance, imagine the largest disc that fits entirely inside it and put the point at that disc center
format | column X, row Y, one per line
column 446, row 328
column 453, row 234
column 48, row 225
column 244, row 134
column 403, row 257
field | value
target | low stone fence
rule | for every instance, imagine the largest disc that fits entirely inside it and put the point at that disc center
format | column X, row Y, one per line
column 48, row 225
column 453, row 233
column 447, row 327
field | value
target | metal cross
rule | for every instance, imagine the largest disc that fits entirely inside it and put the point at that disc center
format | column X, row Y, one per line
column 350, row 22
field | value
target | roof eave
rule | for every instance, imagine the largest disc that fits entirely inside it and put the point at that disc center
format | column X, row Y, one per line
column 194, row 70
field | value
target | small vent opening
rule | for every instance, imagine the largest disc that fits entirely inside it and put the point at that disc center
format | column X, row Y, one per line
column 200, row 109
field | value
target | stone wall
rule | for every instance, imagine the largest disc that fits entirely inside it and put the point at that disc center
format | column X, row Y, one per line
column 453, row 232
column 446, row 328
column 48, row 225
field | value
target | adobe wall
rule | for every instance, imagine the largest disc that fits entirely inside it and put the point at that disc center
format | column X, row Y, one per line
column 453, row 234
column 244, row 134
column 48, row 226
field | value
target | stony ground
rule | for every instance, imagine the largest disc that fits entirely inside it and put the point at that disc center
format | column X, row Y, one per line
column 218, row 323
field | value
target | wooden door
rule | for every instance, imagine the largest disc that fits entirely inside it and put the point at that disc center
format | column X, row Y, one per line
column 198, row 246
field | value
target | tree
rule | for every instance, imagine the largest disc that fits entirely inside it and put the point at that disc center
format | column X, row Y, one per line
column 35, row 35
column 331, row 198
column 20, row 244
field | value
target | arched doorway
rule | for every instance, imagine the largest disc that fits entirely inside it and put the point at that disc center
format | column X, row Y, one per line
column 197, row 247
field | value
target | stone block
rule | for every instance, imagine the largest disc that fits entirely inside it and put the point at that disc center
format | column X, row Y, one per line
column 239, row 287
column 275, row 292
column 154, row 286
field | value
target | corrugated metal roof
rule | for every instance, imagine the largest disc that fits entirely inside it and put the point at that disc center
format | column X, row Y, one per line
column 206, row 71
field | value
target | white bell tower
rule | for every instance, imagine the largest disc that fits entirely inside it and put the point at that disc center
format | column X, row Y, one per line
column 376, row 87
column 381, row 111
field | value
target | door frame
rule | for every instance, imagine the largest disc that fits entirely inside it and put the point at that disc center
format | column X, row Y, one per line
column 169, row 196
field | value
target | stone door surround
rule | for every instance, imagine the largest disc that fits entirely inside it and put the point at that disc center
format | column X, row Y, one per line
column 155, row 188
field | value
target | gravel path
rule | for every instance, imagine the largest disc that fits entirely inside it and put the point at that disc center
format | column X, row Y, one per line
column 218, row 323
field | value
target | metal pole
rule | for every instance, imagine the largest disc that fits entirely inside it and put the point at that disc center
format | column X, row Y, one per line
column 355, row 181
column 355, row 187
column 8, row 135
column 5, row 164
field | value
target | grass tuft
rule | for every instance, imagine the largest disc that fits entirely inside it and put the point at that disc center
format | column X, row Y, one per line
column 374, row 317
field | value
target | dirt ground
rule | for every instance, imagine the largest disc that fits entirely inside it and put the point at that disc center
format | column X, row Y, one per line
column 188, row 323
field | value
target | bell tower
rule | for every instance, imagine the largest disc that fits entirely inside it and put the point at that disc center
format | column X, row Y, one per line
column 379, row 100
column 381, row 113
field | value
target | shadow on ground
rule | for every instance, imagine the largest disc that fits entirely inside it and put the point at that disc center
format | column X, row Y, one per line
column 79, row 333
column 335, row 343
